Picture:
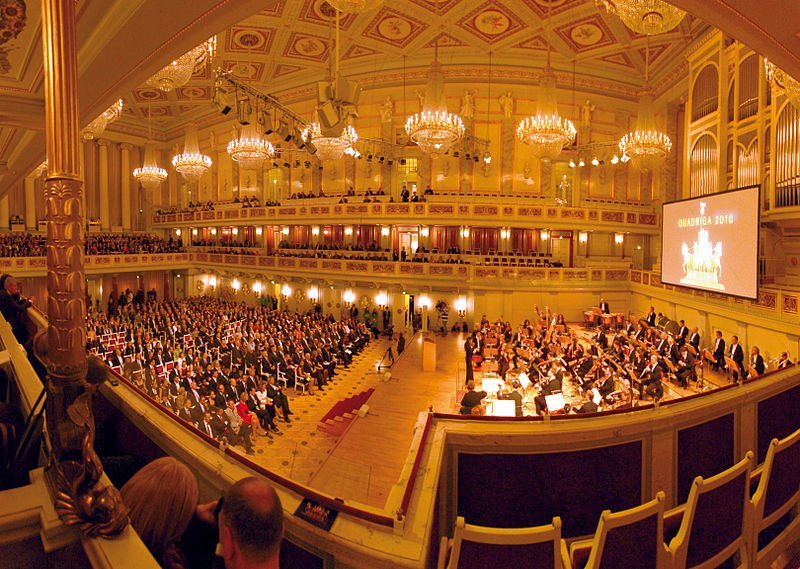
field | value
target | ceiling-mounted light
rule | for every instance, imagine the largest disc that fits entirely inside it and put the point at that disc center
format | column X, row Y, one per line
column 646, row 17
column 150, row 175
column 487, row 158
column 95, row 128
column 595, row 161
column 249, row 150
column 571, row 163
column 355, row 6
column 191, row 164
column 614, row 159
column 180, row 71
column 581, row 163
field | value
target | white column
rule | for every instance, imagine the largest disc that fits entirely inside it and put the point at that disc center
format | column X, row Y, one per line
column 102, row 186
column 30, row 204
column 4, row 224
column 125, row 186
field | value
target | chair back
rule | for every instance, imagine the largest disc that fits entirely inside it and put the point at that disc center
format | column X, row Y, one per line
column 630, row 539
column 778, row 492
column 716, row 520
column 510, row 548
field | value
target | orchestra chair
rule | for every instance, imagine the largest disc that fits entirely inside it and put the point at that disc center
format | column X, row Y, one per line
column 715, row 522
column 630, row 539
column 777, row 494
column 479, row 547
column 282, row 379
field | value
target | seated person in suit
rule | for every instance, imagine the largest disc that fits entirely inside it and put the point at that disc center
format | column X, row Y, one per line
column 685, row 367
column 737, row 355
column 606, row 385
column 757, row 361
column 471, row 399
column 694, row 339
column 651, row 380
column 590, row 406
column 784, row 361
column 719, row 351
column 515, row 395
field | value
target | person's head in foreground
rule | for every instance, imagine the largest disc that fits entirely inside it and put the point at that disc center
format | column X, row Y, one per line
column 251, row 525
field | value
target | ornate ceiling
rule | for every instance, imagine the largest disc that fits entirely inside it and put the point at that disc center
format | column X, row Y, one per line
column 285, row 49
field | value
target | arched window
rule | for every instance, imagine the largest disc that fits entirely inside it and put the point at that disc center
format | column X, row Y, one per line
column 787, row 158
column 705, row 93
column 703, row 162
column 748, row 87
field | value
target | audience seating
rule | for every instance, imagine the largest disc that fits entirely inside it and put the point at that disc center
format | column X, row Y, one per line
column 630, row 539
column 777, row 494
column 480, row 547
column 715, row 521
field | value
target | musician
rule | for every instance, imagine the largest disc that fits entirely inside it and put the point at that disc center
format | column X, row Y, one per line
column 663, row 345
column 672, row 350
column 651, row 317
column 683, row 332
column 756, row 361
column 685, row 367
column 719, row 351
column 606, row 385
column 737, row 355
column 651, row 380
column 514, row 395
column 468, row 345
column 601, row 339
column 471, row 399
column 502, row 365
column 639, row 362
column 589, row 407
column 784, row 361
column 694, row 339
column 640, row 332
column 604, row 307
column 632, row 326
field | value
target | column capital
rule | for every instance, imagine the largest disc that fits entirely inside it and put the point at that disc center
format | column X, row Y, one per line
column 127, row 146
column 103, row 142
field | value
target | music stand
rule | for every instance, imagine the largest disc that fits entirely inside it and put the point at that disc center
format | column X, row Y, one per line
column 555, row 402
column 731, row 366
column 751, row 372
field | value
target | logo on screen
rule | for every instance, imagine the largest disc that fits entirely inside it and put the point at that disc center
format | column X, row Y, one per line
column 702, row 261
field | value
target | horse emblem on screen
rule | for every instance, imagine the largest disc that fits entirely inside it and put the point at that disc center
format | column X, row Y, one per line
column 702, row 262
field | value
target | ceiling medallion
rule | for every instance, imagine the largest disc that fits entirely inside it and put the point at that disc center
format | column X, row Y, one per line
column 150, row 175
column 250, row 150
column 646, row 17
column 330, row 147
column 95, row 128
column 785, row 81
column 355, row 6
column 180, row 71
column 546, row 132
column 191, row 164
column 434, row 129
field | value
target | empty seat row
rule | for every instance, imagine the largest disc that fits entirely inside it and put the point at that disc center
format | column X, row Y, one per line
column 745, row 515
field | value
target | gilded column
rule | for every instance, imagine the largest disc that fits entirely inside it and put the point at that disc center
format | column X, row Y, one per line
column 75, row 469
column 4, row 215
column 30, row 204
column 125, row 185
column 102, row 186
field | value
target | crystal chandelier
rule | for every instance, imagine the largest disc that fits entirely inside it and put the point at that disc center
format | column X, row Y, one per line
column 191, row 164
column 433, row 129
column 785, row 81
column 180, row 71
column 330, row 147
column 355, row 6
column 546, row 132
column 249, row 149
column 95, row 128
column 646, row 17
column 646, row 146
column 150, row 175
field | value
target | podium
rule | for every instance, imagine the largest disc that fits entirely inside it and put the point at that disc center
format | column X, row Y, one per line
column 428, row 355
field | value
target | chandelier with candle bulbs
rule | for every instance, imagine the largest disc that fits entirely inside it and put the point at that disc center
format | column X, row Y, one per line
column 783, row 80
column 150, row 175
column 434, row 129
column 330, row 147
column 180, row 71
column 95, row 128
column 646, row 17
column 191, row 164
column 249, row 150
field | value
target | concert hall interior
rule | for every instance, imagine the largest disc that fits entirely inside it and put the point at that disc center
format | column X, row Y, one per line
column 510, row 283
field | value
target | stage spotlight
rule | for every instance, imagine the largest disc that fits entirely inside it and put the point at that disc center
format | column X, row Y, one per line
column 468, row 156
column 474, row 158
column 615, row 159
column 402, row 161
column 274, row 164
column 285, row 164
column 369, row 157
column 456, row 154
column 222, row 100
column 297, row 163
column 298, row 137
column 243, row 108
column 265, row 122
column 595, row 161
column 307, row 164
column 390, row 162
column 381, row 159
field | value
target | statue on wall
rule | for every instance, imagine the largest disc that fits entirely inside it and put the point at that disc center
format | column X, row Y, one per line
column 386, row 109
column 468, row 105
column 507, row 104
column 421, row 97
column 586, row 113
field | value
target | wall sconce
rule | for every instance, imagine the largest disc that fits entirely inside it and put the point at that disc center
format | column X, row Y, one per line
column 424, row 232
column 235, row 231
column 194, row 231
column 619, row 238
column 384, row 231
column 313, row 294
column 178, row 232
column 315, row 230
column 235, row 284
column 544, row 234
column 424, row 302
column 461, row 306
column 583, row 237
column 259, row 231
column 504, row 234
column 465, row 232
column 257, row 287
column 285, row 231
column 382, row 299
column 348, row 230
column 213, row 231
column 212, row 281
column 349, row 297
column 286, row 291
